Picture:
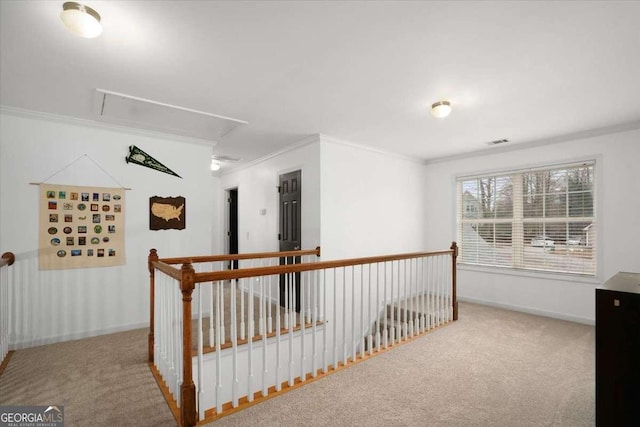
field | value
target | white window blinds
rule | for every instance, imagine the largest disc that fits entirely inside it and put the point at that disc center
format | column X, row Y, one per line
column 539, row 219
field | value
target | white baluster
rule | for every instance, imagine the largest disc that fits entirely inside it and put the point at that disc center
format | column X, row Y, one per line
column 392, row 331
column 250, row 342
column 270, row 298
column 234, row 344
column 430, row 282
column 405, row 304
column 262, row 315
column 325, row 332
column 242, row 314
column 265, row 366
column 292, row 323
column 294, row 306
column 418, row 296
column 335, row 320
column 386, row 309
column 309, row 294
column 4, row 312
column 362, row 346
column 211, row 320
column 178, row 339
column 449, row 262
column 278, row 343
column 201, row 385
column 377, row 306
column 219, row 291
column 314, row 291
column 286, row 297
column 172, row 344
column 221, row 308
column 370, row 320
column 439, row 270
column 421, row 287
column 353, row 315
column 344, row 315
column 303, row 375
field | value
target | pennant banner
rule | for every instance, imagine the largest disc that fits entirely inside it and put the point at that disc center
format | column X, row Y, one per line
column 141, row 158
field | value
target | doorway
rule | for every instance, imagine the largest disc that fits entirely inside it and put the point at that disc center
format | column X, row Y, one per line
column 232, row 231
column 290, row 234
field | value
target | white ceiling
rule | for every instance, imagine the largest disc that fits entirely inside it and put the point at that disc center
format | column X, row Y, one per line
column 364, row 72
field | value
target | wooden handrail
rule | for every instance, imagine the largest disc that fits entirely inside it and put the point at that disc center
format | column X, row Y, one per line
column 310, row 266
column 188, row 279
column 8, row 258
column 167, row 269
column 234, row 257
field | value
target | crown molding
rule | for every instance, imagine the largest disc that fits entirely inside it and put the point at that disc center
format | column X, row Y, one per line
column 330, row 139
column 30, row 114
column 308, row 140
column 589, row 133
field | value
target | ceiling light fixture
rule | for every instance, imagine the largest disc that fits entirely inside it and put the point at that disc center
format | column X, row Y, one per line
column 81, row 20
column 441, row 109
column 217, row 161
column 215, row 164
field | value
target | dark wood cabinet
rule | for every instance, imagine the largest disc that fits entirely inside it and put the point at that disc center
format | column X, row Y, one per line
column 618, row 351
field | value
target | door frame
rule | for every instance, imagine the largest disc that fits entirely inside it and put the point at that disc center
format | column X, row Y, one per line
column 227, row 222
column 285, row 279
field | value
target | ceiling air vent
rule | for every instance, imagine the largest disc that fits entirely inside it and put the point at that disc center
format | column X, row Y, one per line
column 497, row 141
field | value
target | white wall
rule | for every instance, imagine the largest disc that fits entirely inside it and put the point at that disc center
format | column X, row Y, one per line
column 66, row 304
column 618, row 185
column 372, row 203
column 257, row 189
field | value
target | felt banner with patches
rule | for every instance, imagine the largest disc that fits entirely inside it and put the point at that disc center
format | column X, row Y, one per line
column 80, row 227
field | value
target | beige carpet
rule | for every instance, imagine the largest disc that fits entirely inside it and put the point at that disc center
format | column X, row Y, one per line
column 491, row 368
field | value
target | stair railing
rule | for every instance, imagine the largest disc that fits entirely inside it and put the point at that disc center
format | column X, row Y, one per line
column 7, row 260
column 325, row 315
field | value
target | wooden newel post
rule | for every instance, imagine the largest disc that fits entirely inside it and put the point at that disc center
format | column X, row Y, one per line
column 454, row 294
column 188, row 414
column 153, row 257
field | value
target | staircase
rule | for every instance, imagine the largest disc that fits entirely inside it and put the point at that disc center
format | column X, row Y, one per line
column 404, row 319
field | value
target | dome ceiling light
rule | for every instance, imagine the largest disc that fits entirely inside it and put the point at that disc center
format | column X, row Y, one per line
column 81, row 20
column 441, row 109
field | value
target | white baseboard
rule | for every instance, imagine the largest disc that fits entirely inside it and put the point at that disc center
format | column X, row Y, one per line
column 36, row 342
column 530, row 310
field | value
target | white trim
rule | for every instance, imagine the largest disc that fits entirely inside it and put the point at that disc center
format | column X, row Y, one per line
column 176, row 107
column 546, row 164
column 302, row 143
column 596, row 161
column 102, row 125
column 622, row 127
column 533, row 274
column 529, row 310
column 541, row 167
column 325, row 138
column 36, row 342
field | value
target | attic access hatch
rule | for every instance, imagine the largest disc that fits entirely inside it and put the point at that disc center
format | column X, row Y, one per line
column 140, row 113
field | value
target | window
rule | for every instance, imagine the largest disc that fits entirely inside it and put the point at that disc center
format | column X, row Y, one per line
column 539, row 219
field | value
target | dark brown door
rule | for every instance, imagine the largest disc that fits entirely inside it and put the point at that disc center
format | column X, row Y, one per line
column 290, row 234
column 233, row 226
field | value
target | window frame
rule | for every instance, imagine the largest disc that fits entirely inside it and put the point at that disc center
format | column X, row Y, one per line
column 592, row 278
